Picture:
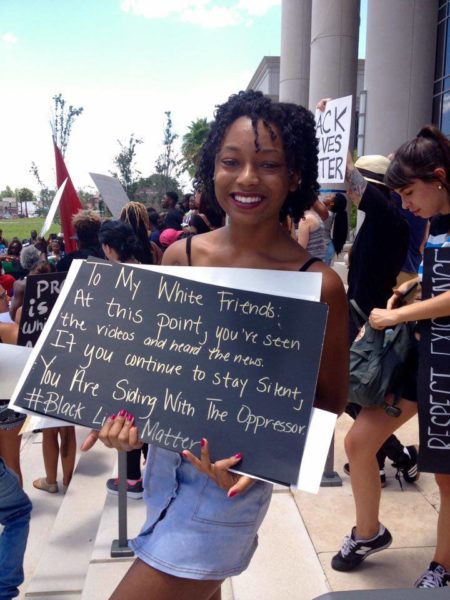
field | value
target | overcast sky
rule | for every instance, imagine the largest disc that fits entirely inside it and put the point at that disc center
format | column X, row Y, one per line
column 125, row 62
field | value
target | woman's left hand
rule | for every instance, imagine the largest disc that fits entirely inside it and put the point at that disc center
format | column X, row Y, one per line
column 380, row 318
column 231, row 482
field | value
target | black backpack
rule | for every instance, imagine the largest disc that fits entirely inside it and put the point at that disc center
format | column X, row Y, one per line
column 377, row 358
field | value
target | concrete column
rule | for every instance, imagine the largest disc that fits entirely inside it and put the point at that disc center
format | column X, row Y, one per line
column 399, row 71
column 295, row 51
column 334, row 49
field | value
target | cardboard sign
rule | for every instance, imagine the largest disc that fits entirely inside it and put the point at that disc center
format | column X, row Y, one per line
column 41, row 292
column 434, row 370
column 53, row 208
column 333, row 133
column 112, row 192
column 12, row 364
column 188, row 360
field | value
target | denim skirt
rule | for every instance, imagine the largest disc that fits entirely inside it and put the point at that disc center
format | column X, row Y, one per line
column 193, row 529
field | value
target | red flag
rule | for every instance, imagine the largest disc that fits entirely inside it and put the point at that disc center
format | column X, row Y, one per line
column 70, row 203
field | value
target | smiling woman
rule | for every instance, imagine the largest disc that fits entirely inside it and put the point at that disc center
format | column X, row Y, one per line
column 260, row 158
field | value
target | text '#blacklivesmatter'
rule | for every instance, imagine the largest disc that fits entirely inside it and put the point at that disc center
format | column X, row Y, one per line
column 187, row 360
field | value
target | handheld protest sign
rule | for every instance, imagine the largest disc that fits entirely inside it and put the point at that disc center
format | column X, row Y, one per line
column 434, row 369
column 333, row 127
column 41, row 292
column 12, row 364
column 112, row 192
column 187, row 359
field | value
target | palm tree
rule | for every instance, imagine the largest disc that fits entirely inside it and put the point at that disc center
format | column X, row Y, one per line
column 193, row 141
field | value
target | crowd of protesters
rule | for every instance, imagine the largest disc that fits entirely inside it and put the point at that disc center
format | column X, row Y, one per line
column 275, row 220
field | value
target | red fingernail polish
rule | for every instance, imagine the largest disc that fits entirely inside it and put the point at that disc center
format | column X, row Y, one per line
column 112, row 417
column 122, row 413
column 130, row 417
column 184, row 453
column 231, row 494
column 202, row 442
column 238, row 455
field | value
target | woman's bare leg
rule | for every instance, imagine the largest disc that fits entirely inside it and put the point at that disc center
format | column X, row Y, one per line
column 50, row 451
column 442, row 554
column 142, row 581
column 68, row 452
column 367, row 434
column 10, row 449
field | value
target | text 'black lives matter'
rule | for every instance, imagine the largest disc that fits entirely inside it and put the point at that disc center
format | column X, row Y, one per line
column 188, row 360
column 41, row 292
column 434, row 370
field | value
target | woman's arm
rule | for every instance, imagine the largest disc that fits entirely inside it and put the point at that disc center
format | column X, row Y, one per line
column 355, row 181
column 433, row 308
column 305, row 227
column 17, row 299
column 332, row 384
column 9, row 333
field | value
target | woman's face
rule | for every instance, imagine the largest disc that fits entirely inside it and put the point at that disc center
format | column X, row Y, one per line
column 425, row 198
column 251, row 186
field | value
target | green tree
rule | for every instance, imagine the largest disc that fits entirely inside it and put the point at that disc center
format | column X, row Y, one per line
column 150, row 190
column 168, row 163
column 23, row 196
column 192, row 144
column 124, row 161
column 62, row 120
column 45, row 195
column 7, row 193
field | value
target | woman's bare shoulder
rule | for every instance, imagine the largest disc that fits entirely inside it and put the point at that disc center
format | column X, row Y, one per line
column 176, row 254
column 332, row 286
column 202, row 245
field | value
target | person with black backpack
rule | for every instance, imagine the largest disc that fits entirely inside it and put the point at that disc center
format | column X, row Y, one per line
column 420, row 173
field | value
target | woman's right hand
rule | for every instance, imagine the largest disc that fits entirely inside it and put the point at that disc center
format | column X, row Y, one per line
column 321, row 105
column 118, row 432
column 399, row 294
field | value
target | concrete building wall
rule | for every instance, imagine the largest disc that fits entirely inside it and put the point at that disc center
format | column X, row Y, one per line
column 266, row 78
column 295, row 51
column 399, row 70
column 334, row 49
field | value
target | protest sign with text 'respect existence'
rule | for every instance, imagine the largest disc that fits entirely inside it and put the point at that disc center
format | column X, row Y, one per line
column 434, row 369
column 187, row 359
column 333, row 127
column 112, row 192
column 41, row 292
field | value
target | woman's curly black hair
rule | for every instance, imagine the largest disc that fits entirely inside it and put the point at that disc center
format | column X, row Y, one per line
column 298, row 134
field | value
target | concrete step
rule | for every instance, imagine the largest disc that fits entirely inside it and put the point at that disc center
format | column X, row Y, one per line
column 65, row 555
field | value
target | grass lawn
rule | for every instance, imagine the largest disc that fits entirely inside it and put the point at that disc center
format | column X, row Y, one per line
column 22, row 228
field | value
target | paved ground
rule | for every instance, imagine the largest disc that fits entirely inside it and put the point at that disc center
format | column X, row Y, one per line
column 297, row 540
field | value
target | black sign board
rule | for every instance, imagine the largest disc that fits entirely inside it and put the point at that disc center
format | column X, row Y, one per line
column 41, row 292
column 187, row 359
column 434, row 370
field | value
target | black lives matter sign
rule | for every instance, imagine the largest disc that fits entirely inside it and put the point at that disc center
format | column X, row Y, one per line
column 187, row 359
column 434, row 370
column 333, row 133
